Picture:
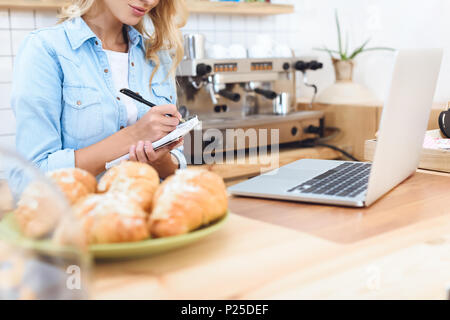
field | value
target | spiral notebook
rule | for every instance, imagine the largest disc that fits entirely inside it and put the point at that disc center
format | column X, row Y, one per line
column 181, row 130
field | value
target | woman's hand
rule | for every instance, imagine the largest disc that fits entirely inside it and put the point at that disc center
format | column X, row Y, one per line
column 155, row 124
column 143, row 152
column 151, row 127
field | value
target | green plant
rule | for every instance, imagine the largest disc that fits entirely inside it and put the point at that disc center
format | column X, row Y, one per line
column 343, row 54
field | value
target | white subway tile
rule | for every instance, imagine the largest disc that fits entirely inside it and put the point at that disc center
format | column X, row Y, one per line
column 224, row 38
column 7, row 122
column 5, row 40
column 5, row 95
column 239, row 38
column 5, row 69
column 238, row 23
column 282, row 39
column 4, row 19
column 206, row 22
column 192, row 23
column 46, row 18
column 266, row 23
column 188, row 31
column 210, row 37
column 252, row 23
column 17, row 37
column 251, row 38
column 274, row 35
column 8, row 142
column 294, row 41
column 294, row 22
column 22, row 19
column 223, row 22
column 281, row 22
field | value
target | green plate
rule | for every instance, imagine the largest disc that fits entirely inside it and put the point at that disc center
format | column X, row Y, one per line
column 10, row 232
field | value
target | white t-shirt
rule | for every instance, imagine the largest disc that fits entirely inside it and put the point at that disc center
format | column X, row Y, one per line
column 118, row 62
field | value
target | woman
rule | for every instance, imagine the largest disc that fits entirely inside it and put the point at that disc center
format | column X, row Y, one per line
column 67, row 78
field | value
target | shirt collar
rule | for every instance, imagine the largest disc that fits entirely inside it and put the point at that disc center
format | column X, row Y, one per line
column 78, row 32
column 135, row 37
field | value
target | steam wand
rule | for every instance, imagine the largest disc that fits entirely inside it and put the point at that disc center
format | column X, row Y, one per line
column 305, row 66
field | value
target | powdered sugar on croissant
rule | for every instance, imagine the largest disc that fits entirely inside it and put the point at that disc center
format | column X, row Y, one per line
column 75, row 183
column 37, row 213
column 136, row 180
column 186, row 201
column 109, row 218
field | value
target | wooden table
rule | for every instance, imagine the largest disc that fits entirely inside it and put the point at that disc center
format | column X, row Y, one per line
column 237, row 171
column 398, row 248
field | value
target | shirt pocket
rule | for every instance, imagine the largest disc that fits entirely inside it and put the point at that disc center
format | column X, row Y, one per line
column 162, row 93
column 82, row 116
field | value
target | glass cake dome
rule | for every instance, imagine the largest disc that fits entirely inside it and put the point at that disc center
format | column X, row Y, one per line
column 42, row 250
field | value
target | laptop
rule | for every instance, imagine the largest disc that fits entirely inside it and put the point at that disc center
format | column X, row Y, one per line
column 401, row 134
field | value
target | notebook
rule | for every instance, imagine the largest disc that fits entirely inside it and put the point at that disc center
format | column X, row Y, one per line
column 181, row 130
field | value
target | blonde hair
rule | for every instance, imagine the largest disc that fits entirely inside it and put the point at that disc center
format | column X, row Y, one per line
column 167, row 18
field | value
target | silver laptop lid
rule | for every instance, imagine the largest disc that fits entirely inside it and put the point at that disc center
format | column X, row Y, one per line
column 404, row 120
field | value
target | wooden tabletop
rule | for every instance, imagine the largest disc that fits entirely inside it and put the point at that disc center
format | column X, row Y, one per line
column 423, row 196
column 398, row 248
column 235, row 171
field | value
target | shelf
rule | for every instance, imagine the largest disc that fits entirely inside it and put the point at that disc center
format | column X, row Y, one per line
column 239, row 8
column 195, row 6
column 32, row 4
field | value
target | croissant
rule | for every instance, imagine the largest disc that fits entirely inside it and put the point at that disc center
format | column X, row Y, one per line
column 75, row 183
column 109, row 218
column 189, row 199
column 37, row 212
column 137, row 180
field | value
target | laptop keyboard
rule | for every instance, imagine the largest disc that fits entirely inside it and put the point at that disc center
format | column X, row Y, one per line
column 346, row 180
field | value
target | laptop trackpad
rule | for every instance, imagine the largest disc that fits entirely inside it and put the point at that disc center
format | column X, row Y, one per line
column 303, row 170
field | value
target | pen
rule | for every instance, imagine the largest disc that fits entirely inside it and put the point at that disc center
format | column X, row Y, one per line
column 138, row 97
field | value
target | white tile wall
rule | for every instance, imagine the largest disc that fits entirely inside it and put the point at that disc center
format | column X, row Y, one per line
column 5, row 91
column 22, row 19
column 6, row 69
column 45, row 18
column 398, row 24
column 5, row 37
column 4, row 19
column 17, row 37
column 228, row 29
column 8, row 126
column 8, row 141
column 14, row 26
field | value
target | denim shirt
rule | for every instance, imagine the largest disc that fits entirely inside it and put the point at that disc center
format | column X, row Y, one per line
column 63, row 94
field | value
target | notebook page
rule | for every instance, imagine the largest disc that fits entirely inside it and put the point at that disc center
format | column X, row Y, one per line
column 181, row 130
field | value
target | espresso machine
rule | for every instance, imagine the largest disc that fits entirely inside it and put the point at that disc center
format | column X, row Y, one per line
column 243, row 94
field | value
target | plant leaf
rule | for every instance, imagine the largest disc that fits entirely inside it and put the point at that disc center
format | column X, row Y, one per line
column 359, row 50
column 338, row 26
column 346, row 43
column 379, row 48
column 329, row 51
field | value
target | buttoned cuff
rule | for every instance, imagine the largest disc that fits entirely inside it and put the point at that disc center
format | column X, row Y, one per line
column 182, row 163
column 61, row 159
